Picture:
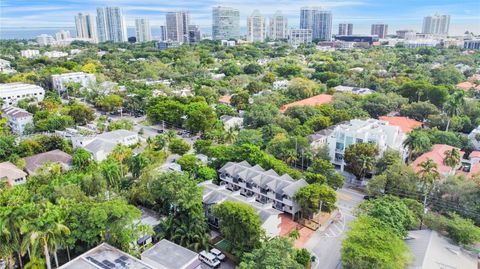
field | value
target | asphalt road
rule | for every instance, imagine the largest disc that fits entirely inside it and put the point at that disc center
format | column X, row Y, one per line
column 326, row 245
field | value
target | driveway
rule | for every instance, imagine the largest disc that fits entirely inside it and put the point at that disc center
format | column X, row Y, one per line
column 326, row 245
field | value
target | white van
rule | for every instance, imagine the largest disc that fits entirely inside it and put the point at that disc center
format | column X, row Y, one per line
column 218, row 254
column 209, row 259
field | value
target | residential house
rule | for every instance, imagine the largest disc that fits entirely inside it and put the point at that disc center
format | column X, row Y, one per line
column 354, row 90
column 316, row 100
column 432, row 250
column 168, row 255
column 34, row 162
column 320, row 138
column 18, row 119
column 406, row 124
column 230, row 122
column 105, row 256
column 214, row 194
column 474, row 136
column 437, row 155
column 265, row 186
column 380, row 133
column 471, row 167
column 225, row 100
column 103, row 144
column 467, row 85
column 12, row 174
column 281, row 84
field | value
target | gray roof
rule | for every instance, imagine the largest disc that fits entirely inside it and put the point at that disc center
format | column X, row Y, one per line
column 434, row 251
column 107, row 141
column 166, row 254
column 34, row 162
column 264, row 179
column 115, row 135
column 10, row 171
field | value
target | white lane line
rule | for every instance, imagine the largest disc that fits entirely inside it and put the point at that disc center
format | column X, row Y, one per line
column 352, row 192
column 337, row 228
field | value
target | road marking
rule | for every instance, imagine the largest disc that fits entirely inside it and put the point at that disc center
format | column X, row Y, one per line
column 352, row 192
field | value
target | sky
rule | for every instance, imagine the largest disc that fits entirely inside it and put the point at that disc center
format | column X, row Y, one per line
column 404, row 14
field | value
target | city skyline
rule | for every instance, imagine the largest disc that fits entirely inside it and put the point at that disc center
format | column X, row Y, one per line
column 362, row 13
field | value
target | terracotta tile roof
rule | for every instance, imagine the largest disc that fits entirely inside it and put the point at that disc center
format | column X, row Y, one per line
column 474, row 77
column 437, row 154
column 474, row 171
column 225, row 99
column 405, row 124
column 467, row 85
column 475, row 154
column 316, row 100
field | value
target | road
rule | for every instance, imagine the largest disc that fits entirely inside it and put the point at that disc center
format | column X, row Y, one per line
column 326, row 245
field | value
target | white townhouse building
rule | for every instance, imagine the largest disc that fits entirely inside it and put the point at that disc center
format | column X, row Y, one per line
column 230, row 122
column 30, row 53
column 267, row 187
column 18, row 119
column 10, row 93
column 373, row 131
column 55, row 54
column 59, row 81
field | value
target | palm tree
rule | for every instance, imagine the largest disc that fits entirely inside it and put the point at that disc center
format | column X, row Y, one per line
column 10, row 234
column 112, row 173
column 417, row 143
column 453, row 105
column 192, row 235
column 367, row 164
column 428, row 173
column 452, row 158
column 231, row 135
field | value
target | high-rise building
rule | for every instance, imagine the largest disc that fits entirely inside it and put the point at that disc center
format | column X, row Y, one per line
column 62, row 35
column 45, row 40
column 225, row 23
column 436, row 24
column 86, row 26
column 318, row 20
column 163, row 33
column 300, row 36
column 111, row 25
column 380, row 30
column 194, row 35
column 143, row 30
column 256, row 27
column 278, row 26
column 406, row 34
column 345, row 29
column 177, row 26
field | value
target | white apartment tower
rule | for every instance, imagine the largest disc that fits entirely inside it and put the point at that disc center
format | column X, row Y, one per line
column 278, row 26
column 436, row 24
column 62, row 35
column 177, row 26
column 111, row 25
column 345, row 29
column 256, row 27
column 317, row 20
column 86, row 26
column 143, row 30
column 380, row 30
column 225, row 23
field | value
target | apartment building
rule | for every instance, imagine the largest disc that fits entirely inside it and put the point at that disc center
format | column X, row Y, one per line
column 60, row 81
column 10, row 93
column 18, row 119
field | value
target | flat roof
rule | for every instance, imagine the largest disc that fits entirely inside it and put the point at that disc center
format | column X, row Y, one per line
column 171, row 256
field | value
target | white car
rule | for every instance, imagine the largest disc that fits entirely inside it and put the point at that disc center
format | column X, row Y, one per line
column 218, row 254
column 209, row 259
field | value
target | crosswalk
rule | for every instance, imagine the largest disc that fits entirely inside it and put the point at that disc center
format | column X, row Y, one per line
column 335, row 228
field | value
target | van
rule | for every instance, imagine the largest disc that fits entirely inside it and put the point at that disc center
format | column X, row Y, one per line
column 209, row 259
column 218, row 254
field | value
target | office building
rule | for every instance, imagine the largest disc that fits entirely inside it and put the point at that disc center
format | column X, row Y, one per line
column 45, row 40
column 86, row 27
column 436, row 24
column 60, row 81
column 142, row 30
column 163, row 33
column 62, row 35
column 278, row 27
column 111, row 25
column 256, row 27
column 345, row 29
column 300, row 36
column 30, row 53
column 194, row 35
column 18, row 119
column 318, row 20
column 225, row 23
column 406, row 34
column 10, row 93
column 177, row 26
column 472, row 44
column 162, row 45
column 380, row 30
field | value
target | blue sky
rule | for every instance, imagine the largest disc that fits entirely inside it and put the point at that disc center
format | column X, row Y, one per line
column 405, row 14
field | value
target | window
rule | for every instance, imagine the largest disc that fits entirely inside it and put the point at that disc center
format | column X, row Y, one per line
column 348, row 141
column 339, row 146
column 359, row 140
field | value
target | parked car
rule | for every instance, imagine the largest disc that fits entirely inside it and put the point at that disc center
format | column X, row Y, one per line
column 218, row 254
column 209, row 259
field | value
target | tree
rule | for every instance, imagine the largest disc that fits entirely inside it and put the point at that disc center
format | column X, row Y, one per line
column 89, row 68
column 420, row 111
column 81, row 114
column 200, row 117
column 109, row 103
column 462, row 231
column 417, row 91
column 253, row 69
column 7, row 146
column 453, row 105
column 428, row 174
column 178, row 146
column 189, row 163
column 136, row 164
column 452, row 158
column 301, row 88
column 81, row 159
column 382, row 104
column 240, row 225
column 327, row 170
column 397, row 179
column 360, row 159
column 314, row 198
column 205, row 173
column 288, row 71
column 388, row 158
column 121, row 124
column 259, row 115
column 417, row 143
column 240, row 100
column 319, row 123
column 275, row 253
column 169, row 111
column 366, row 246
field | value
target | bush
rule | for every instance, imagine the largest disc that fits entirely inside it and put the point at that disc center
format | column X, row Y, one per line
column 178, row 146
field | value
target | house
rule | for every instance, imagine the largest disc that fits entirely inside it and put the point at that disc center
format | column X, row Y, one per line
column 30, row 53
column 230, row 122
column 281, row 84
column 467, row 85
column 5, row 67
column 103, row 144
column 471, row 167
column 265, row 186
column 225, row 100
column 59, row 81
column 380, row 133
column 18, row 119
column 437, row 154
column 354, row 90
column 12, row 174
column 11, row 93
column 105, row 256
column 317, row 100
column 432, row 250
column 320, row 138
column 406, row 124
column 34, row 162
column 214, row 194
column 474, row 136
column 168, row 255
column 149, row 218
column 202, row 158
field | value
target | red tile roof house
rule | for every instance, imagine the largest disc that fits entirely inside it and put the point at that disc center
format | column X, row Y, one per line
column 437, row 154
column 316, row 100
column 474, row 160
column 406, row 124
column 467, row 85
column 225, row 99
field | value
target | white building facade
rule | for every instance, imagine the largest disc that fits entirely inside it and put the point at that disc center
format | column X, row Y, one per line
column 177, row 26
column 10, row 93
column 436, row 24
column 86, row 27
column 111, row 25
column 59, row 81
column 45, row 40
column 300, row 36
column 278, row 26
column 143, row 30
column 30, row 53
column 18, row 119
column 225, row 23
column 256, row 27
column 318, row 20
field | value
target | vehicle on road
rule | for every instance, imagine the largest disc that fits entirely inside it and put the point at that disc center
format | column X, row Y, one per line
column 209, row 259
column 218, row 254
